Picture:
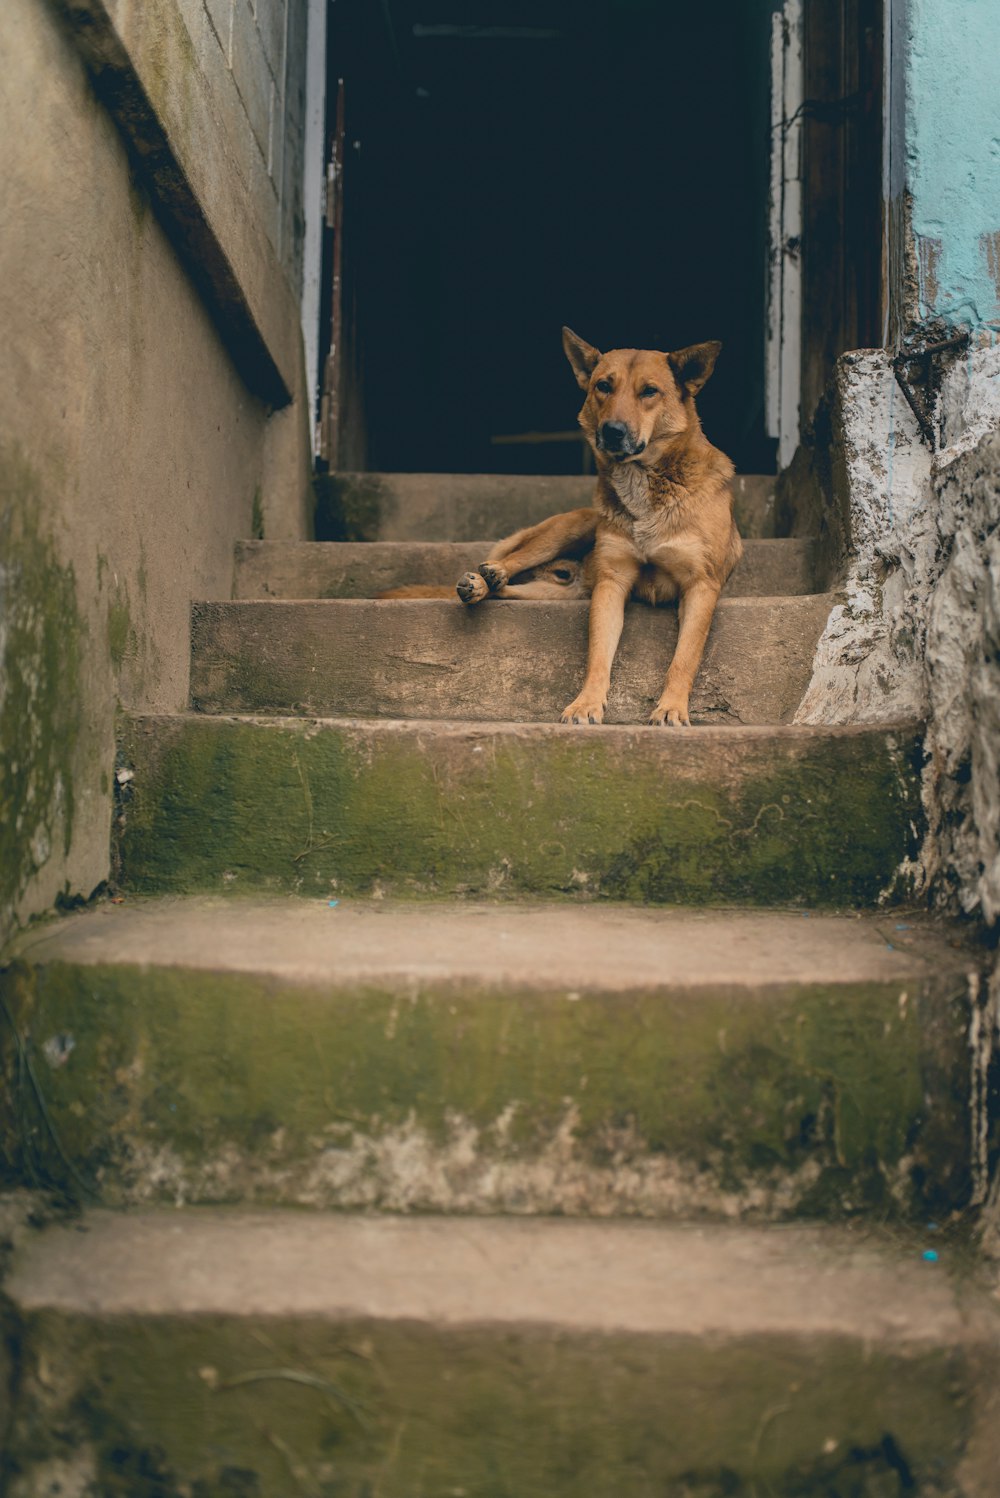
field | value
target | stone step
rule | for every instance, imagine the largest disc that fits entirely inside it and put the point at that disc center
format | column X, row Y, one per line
column 587, row 1061
column 465, row 506
column 756, row 816
column 361, row 569
column 509, row 661
column 212, row 1352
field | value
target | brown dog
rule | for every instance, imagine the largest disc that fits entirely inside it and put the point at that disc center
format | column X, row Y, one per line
column 662, row 524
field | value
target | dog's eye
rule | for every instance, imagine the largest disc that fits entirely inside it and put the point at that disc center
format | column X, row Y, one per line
column 604, row 386
column 647, row 391
column 562, row 573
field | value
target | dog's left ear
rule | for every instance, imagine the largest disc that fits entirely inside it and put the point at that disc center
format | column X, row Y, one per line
column 693, row 365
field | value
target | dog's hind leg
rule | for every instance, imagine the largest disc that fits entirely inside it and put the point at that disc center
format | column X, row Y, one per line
column 567, row 535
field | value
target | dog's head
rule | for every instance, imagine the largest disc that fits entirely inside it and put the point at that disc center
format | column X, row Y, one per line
column 638, row 401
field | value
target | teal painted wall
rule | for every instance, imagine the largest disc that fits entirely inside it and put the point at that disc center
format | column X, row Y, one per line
column 953, row 156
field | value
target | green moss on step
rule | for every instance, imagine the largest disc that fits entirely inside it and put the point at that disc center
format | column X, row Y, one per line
column 813, row 820
column 794, row 1100
column 169, row 1405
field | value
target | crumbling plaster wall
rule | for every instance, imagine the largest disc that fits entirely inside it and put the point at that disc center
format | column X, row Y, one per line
column 132, row 456
column 915, row 633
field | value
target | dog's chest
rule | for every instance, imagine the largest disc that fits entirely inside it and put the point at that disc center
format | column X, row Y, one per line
column 631, row 484
column 650, row 521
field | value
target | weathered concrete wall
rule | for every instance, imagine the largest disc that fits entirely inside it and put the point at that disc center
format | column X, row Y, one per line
column 916, row 634
column 132, row 456
column 918, row 631
column 953, row 157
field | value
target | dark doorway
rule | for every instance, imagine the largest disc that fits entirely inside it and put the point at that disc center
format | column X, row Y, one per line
column 510, row 167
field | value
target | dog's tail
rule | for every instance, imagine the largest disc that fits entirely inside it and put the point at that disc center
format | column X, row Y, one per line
column 419, row 590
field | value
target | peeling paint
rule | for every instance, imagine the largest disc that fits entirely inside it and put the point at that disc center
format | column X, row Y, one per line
column 953, row 159
column 928, row 266
column 918, row 626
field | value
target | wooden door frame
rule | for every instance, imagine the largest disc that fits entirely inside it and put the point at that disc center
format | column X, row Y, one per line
column 827, row 264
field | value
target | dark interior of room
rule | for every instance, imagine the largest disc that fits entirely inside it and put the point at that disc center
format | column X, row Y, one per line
column 510, row 167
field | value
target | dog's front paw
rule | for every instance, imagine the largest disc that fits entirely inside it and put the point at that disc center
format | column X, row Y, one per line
column 494, row 576
column 471, row 588
column 672, row 711
column 585, row 709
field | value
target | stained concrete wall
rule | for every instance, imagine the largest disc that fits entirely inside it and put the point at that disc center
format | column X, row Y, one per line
column 133, row 453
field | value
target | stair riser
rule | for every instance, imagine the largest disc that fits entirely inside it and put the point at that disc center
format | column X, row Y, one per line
column 716, row 816
column 274, row 569
column 409, row 1095
column 271, row 1405
column 463, row 507
column 501, row 662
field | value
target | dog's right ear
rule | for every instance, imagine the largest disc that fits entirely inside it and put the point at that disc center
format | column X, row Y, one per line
column 583, row 358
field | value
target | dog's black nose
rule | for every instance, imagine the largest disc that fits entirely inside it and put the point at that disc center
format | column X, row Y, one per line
column 614, row 437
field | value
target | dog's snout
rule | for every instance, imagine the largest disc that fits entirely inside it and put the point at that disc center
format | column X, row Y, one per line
column 615, row 437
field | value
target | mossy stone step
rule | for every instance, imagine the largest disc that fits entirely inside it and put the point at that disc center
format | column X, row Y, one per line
column 470, row 1058
column 746, row 816
column 503, row 661
column 216, row 1353
column 465, row 506
column 360, row 569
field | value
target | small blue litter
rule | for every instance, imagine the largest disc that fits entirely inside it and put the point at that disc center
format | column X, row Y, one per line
column 931, row 1255
column 332, row 903
column 901, row 927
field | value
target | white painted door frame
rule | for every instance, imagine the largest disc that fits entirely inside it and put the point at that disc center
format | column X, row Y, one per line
column 783, row 374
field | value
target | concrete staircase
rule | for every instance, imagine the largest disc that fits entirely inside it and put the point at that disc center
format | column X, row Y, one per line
column 633, row 1157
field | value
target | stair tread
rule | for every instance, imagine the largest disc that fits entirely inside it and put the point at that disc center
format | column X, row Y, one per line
column 671, row 1280
column 455, row 506
column 537, row 945
column 681, row 739
column 503, row 660
column 358, row 569
column 711, row 816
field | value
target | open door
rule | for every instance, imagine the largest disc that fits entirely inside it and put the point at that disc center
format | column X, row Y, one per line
column 604, row 165
column 505, row 169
